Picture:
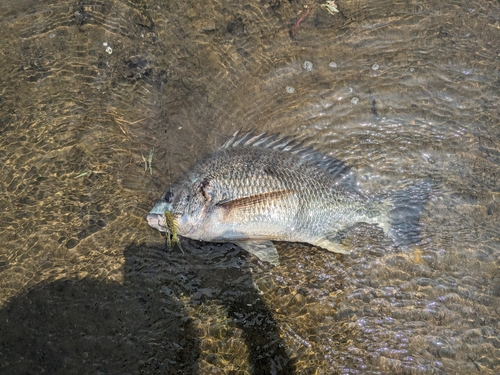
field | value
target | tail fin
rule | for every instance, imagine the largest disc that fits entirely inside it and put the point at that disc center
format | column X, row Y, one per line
column 405, row 216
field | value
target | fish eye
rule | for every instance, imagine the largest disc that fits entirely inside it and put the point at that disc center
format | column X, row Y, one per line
column 169, row 196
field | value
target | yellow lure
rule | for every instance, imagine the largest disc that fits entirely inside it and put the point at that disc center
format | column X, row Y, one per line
column 171, row 234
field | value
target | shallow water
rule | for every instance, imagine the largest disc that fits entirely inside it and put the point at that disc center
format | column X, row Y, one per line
column 402, row 91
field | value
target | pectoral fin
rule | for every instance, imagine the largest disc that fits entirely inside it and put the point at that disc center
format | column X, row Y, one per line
column 331, row 246
column 236, row 208
column 264, row 250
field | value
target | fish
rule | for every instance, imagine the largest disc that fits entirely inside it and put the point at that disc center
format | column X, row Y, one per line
column 259, row 188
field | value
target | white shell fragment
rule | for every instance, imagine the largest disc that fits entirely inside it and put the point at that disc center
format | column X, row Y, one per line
column 307, row 65
column 330, row 7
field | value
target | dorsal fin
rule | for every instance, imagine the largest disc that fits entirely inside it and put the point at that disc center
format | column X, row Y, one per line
column 335, row 167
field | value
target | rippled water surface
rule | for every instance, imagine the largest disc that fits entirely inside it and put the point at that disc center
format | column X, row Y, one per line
column 402, row 91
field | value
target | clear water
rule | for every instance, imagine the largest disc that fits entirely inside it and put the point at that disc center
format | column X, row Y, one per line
column 89, row 88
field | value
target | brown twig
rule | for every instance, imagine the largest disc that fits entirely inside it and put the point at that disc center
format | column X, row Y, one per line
column 299, row 21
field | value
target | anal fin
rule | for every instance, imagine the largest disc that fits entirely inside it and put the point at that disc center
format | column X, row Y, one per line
column 264, row 250
column 332, row 246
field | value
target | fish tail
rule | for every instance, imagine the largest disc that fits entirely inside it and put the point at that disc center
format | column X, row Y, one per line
column 408, row 205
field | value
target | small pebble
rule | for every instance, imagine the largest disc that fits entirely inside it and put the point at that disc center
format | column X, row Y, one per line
column 52, row 36
column 333, row 64
column 375, row 66
column 289, row 89
column 105, row 44
column 307, row 65
column 355, row 100
column 412, row 70
column 429, row 159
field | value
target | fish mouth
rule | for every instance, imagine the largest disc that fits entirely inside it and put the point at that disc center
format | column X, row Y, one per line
column 157, row 221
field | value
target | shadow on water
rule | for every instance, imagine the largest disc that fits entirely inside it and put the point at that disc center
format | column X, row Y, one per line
column 77, row 326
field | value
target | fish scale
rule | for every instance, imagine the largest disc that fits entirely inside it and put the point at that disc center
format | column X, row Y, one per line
column 259, row 188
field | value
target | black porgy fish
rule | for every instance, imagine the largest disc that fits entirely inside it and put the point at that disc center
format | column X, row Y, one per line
column 259, row 188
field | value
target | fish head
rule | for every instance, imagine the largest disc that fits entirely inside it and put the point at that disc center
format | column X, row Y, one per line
column 156, row 217
column 180, row 208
